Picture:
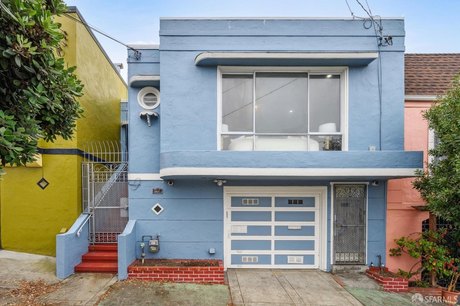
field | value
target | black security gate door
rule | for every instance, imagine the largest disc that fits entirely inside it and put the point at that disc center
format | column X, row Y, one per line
column 349, row 224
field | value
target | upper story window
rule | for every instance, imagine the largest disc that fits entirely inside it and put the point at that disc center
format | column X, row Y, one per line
column 282, row 111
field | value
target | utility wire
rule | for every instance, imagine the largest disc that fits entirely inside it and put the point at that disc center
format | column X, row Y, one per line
column 378, row 29
column 368, row 7
column 349, row 8
column 137, row 53
column 258, row 98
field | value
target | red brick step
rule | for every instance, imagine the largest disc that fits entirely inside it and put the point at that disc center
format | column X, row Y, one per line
column 103, row 247
column 102, row 266
column 100, row 256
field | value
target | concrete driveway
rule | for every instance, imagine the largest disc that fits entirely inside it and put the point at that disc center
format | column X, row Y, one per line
column 286, row 287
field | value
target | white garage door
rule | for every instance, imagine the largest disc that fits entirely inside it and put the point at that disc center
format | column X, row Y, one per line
column 274, row 227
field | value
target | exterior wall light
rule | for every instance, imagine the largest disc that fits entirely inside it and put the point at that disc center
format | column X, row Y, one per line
column 148, row 116
column 219, row 182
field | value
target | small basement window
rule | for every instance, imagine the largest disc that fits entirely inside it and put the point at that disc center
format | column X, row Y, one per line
column 149, row 98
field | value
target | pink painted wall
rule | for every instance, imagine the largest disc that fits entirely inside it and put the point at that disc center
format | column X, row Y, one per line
column 402, row 218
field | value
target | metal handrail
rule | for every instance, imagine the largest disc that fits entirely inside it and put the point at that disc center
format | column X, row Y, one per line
column 80, row 228
column 105, row 189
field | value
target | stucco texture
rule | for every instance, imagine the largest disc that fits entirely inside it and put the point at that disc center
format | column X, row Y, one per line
column 402, row 218
column 31, row 217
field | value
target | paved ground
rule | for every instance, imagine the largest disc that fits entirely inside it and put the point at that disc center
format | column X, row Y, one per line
column 136, row 292
column 27, row 279
column 253, row 287
column 369, row 293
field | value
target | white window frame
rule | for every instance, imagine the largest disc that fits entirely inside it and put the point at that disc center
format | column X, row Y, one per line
column 340, row 70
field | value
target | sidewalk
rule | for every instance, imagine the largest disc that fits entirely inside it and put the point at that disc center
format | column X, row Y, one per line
column 369, row 293
column 27, row 279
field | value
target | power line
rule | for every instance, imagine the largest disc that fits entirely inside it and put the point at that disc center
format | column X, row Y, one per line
column 137, row 53
column 368, row 7
column 380, row 40
column 349, row 8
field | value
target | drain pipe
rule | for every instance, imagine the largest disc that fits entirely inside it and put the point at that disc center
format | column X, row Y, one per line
column 380, row 262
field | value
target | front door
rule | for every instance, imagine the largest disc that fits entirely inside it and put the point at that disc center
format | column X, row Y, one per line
column 350, row 224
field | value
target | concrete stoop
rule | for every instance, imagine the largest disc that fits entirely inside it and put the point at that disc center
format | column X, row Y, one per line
column 348, row 269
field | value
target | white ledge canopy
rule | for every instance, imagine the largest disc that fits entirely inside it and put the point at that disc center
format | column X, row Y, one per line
column 285, row 58
column 287, row 173
column 144, row 80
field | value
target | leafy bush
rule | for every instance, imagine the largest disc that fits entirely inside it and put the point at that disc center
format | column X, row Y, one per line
column 37, row 91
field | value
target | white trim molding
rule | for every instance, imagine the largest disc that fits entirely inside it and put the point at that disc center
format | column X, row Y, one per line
column 285, row 55
column 288, row 172
column 144, row 177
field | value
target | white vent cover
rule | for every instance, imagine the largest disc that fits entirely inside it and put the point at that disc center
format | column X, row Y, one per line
column 250, row 202
column 239, row 229
column 295, row 259
column 250, row 259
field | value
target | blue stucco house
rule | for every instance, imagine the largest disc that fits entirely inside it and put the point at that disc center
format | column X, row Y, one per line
column 265, row 142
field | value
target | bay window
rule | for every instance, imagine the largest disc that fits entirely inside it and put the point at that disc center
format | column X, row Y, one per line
column 282, row 111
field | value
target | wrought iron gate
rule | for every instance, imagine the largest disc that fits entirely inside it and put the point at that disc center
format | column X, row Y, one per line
column 105, row 191
column 349, row 224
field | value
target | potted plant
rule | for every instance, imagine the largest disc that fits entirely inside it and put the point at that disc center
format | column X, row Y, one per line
column 452, row 272
column 435, row 257
column 430, row 250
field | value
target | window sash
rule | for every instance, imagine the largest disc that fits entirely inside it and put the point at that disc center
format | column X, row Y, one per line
column 310, row 75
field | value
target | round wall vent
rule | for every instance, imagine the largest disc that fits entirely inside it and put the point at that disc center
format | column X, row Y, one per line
column 148, row 98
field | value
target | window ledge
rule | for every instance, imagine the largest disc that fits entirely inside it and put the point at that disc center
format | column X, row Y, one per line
column 144, row 80
column 285, row 58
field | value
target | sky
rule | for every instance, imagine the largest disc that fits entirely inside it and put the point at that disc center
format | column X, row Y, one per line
column 432, row 26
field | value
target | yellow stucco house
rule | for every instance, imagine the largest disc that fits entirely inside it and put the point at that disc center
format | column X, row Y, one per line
column 30, row 217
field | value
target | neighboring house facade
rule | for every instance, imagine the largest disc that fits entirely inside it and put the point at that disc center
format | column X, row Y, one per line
column 31, row 216
column 271, row 145
column 427, row 77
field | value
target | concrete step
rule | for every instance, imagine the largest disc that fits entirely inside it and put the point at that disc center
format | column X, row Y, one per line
column 97, row 266
column 349, row 268
column 100, row 256
column 103, row 247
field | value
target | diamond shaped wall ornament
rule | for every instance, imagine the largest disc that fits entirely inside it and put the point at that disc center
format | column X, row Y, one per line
column 157, row 208
column 43, row 183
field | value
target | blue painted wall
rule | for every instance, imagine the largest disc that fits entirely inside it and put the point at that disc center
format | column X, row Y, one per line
column 189, row 92
column 186, row 132
column 191, row 222
column 144, row 141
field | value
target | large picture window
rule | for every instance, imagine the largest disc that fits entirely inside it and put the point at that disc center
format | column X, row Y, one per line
column 281, row 111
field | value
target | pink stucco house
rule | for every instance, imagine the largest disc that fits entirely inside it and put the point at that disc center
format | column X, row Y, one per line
column 427, row 76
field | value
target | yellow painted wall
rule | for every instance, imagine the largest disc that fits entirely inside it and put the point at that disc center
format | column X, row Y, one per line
column 31, row 217
column 70, row 56
column 101, row 99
